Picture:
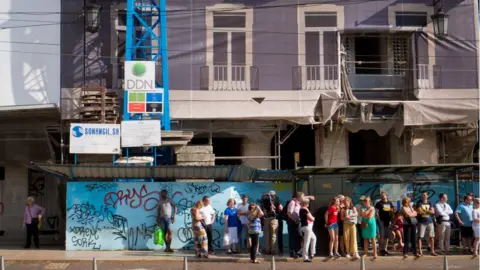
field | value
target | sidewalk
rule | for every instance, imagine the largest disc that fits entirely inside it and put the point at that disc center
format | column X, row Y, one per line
column 33, row 255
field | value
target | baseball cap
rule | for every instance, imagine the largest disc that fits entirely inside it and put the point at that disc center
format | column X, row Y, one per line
column 273, row 193
column 362, row 198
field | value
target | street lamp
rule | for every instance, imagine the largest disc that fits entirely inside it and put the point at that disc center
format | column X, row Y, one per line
column 440, row 24
column 92, row 17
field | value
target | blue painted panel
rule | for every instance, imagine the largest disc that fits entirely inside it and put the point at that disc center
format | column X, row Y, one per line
column 119, row 216
column 154, row 97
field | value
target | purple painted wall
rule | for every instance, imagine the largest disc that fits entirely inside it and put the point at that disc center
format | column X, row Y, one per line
column 275, row 49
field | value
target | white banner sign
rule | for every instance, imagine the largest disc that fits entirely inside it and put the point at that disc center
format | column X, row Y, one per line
column 141, row 133
column 95, row 139
column 139, row 75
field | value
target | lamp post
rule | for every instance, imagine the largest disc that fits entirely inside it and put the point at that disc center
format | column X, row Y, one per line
column 440, row 22
column 92, row 17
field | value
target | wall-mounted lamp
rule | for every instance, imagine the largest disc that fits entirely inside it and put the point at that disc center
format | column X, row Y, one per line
column 440, row 21
column 92, row 17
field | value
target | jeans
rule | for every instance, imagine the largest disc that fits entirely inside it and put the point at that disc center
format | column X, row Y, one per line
column 32, row 230
column 209, row 231
column 253, row 248
column 294, row 237
column 410, row 237
column 270, row 235
column 309, row 241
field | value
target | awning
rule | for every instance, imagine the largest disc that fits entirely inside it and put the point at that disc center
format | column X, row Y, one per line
column 440, row 111
column 385, row 169
column 169, row 173
column 295, row 106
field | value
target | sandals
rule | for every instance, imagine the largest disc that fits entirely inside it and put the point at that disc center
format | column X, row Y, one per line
column 254, row 261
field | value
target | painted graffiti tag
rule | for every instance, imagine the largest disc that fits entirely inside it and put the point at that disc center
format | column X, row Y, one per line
column 133, row 198
column 202, row 190
column 99, row 187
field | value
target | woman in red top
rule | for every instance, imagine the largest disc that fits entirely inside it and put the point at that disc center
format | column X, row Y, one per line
column 331, row 223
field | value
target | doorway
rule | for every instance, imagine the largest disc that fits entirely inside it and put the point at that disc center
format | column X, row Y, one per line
column 366, row 147
column 302, row 141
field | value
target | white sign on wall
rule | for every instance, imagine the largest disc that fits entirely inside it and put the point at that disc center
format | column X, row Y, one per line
column 139, row 75
column 141, row 133
column 95, row 139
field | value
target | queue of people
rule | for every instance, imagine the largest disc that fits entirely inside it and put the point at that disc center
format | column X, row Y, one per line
column 408, row 226
column 350, row 227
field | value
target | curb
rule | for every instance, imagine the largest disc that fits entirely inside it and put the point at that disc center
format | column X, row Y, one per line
column 231, row 260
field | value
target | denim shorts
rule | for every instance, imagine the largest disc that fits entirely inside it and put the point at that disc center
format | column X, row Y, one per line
column 333, row 226
column 165, row 224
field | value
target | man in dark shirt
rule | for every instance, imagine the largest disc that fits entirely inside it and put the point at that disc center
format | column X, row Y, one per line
column 384, row 209
column 270, row 226
column 425, row 212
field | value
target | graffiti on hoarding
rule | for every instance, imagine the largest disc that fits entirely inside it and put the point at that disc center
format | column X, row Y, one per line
column 123, row 215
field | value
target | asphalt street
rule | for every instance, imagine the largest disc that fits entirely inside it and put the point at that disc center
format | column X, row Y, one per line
column 470, row 264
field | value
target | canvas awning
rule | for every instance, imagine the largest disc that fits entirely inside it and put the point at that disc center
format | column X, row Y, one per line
column 386, row 169
column 169, row 173
column 296, row 106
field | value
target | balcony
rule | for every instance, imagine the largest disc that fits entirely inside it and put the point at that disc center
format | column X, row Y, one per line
column 315, row 77
column 229, row 78
column 381, row 82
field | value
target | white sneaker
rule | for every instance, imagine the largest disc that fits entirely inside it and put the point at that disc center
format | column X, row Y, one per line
column 356, row 256
column 348, row 256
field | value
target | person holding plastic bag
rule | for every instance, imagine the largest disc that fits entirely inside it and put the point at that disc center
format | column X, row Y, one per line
column 199, row 232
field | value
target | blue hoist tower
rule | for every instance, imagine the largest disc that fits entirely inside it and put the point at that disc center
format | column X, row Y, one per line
column 146, row 40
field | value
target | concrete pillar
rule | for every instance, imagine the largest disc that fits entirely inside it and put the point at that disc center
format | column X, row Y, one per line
column 335, row 148
column 399, row 150
column 424, row 147
column 260, row 147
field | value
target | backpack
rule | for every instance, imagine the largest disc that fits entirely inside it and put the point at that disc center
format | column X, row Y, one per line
column 283, row 215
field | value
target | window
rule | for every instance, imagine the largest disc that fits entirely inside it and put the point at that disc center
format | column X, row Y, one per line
column 320, row 19
column 411, row 19
column 229, row 20
column 229, row 61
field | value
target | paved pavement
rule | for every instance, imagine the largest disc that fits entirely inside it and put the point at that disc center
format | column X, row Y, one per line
column 420, row 264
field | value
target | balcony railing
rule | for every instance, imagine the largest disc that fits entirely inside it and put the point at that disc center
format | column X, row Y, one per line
column 229, row 78
column 315, row 77
column 383, row 82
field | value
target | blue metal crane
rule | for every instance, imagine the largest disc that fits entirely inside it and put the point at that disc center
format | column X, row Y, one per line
column 146, row 40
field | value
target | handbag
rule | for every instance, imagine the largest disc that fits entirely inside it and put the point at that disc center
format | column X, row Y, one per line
column 411, row 220
column 158, row 237
column 364, row 225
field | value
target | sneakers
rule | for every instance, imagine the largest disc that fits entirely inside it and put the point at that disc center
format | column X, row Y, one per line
column 307, row 261
column 348, row 256
column 337, row 255
column 356, row 256
column 331, row 255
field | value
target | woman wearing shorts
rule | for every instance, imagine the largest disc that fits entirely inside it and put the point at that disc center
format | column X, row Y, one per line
column 331, row 223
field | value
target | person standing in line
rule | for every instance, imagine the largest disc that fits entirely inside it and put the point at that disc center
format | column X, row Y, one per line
column 442, row 213
column 331, row 223
column 309, row 238
column 242, row 212
column 32, row 216
column 199, row 232
column 280, row 218
column 384, row 214
column 341, row 207
column 349, row 216
column 209, row 213
column 358, row 207
column 294, row 237
column 409, row 228
column 425, row 213
column 369, row 227
column 254, row 228
column 270, row 225
column 476, row 225
column 165, row 217
column 231, row 227
column 463, row 213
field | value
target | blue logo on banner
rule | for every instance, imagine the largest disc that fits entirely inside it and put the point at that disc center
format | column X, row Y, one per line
column 77, row 131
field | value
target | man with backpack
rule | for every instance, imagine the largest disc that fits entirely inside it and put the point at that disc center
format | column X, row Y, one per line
column 270, row 225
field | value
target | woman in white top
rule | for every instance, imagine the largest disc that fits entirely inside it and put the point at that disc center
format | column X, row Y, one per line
column 476, row 224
